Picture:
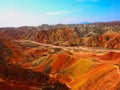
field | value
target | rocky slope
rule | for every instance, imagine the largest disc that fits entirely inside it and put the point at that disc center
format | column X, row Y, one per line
column 15, row 73
column 72, row 57
column 47, row 67
column 105, row 35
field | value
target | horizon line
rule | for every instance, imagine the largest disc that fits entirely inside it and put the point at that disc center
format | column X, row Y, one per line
column 80, row 23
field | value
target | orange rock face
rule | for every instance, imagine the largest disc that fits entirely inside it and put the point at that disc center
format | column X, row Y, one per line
column 83, row 57
column 111, row 56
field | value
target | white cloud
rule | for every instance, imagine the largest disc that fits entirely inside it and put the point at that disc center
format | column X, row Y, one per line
column 18, row 18
column 14, row 18
column 56, row 13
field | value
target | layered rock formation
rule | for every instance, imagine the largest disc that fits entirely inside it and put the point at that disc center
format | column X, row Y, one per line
column 62, row 57
column 92, row 35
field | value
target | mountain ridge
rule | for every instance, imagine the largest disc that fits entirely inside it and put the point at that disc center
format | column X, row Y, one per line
column 83, row 57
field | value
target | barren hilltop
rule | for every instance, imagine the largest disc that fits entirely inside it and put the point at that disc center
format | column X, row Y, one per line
column 60, row 57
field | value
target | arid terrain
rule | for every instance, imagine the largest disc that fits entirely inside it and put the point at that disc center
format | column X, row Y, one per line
column 60, row 57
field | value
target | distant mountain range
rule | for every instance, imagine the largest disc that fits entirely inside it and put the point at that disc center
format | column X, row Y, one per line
column 82, row 56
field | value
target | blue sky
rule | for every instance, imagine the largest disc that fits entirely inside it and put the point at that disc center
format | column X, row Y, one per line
column 37, row 12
